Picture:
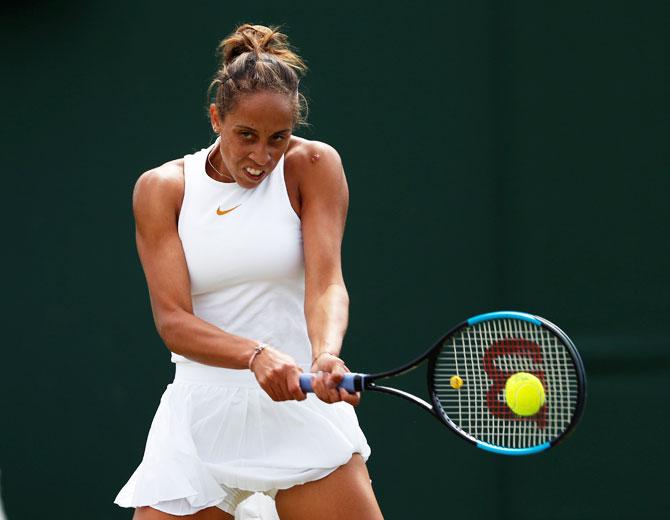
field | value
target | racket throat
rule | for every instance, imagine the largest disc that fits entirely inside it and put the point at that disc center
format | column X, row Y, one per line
column 400, row 393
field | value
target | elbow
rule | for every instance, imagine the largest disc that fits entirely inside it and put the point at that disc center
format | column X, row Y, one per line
column 339, row 292
column 334, row 294
column 168, row 327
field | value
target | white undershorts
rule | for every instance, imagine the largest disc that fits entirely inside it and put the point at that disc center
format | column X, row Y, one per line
column 256, row 505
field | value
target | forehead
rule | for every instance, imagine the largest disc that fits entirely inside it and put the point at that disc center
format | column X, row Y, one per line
column 262, row 111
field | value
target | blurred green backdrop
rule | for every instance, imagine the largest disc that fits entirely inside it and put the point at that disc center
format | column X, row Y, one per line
column 509, row 154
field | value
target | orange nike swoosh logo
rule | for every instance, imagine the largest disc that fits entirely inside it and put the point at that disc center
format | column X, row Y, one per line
column 224, row 211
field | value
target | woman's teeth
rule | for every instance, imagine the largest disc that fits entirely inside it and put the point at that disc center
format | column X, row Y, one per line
column 253, row 172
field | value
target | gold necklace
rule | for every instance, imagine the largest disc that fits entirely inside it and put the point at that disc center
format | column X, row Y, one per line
column 209, row 161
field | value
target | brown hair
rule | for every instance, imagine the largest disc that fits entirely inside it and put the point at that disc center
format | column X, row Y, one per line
column 256, row 58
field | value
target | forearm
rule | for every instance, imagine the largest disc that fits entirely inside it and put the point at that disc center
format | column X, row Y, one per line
column 191, row 337
column 327, row 315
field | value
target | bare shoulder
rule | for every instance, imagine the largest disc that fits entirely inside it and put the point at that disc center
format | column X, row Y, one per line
column 314, row 170
column 160, row 187
column 306, row 159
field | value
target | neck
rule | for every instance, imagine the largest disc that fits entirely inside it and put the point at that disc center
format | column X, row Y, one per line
column 215, row 164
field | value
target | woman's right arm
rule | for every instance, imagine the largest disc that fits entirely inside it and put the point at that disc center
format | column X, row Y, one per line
column 157, row 199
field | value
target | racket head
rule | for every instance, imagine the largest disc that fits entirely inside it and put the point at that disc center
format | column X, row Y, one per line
column 484, row 351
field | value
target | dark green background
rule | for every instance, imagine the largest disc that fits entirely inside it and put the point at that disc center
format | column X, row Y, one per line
column 499, row 155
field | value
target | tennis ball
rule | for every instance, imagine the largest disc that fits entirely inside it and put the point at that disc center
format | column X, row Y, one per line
column 456, row 382
column 524, row 394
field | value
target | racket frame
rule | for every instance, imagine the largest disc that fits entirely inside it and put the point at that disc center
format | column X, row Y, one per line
column 362, row 382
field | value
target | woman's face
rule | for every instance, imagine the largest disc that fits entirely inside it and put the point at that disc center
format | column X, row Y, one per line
column 254, row 136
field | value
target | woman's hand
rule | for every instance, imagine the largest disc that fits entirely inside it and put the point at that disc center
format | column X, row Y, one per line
column 330, row 371
column 278, row 374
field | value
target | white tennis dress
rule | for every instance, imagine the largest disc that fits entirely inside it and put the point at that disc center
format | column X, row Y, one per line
column 217, row 437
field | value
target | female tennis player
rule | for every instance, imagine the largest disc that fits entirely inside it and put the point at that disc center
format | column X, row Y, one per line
column 240, row 245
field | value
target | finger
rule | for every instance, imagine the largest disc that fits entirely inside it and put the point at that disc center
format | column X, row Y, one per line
column 286, row 391
column 317, row 382
column 271, row 391
column 323, row 389
column 317, row 385
column 333, row 388
column 339, row 368
column 295, row 390
column 279, row 392
column 331, row 384
column 352, row 399
column 335, row 378
column 298, row 394
column 338, row 393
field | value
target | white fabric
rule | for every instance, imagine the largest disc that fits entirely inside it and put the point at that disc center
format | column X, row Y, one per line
column 257, row 507
column 246, row 267
column 217, row 437
column 3, row 517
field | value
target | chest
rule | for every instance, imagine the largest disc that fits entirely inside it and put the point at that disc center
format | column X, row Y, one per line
column 241, row 237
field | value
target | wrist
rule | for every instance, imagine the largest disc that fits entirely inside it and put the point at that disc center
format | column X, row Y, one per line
column 258, row 349
column 325, row 355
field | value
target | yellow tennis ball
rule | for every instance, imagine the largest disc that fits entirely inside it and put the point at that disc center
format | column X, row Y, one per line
column 456, row 382
column 524, row 394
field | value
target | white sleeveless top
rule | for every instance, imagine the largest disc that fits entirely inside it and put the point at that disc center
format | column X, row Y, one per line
column 245, row 260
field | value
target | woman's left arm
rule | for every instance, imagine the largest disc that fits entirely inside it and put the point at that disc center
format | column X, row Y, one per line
column 324, row 201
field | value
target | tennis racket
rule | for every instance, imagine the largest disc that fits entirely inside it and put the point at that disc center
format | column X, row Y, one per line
column 467, row 372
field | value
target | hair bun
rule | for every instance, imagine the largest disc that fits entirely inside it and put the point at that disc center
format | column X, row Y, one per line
column 256, row 58
column 259, row 39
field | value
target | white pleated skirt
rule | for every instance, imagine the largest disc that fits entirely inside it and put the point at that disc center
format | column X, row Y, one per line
column 216, row 430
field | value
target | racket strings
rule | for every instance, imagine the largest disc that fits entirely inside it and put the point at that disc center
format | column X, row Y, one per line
column 485, row 355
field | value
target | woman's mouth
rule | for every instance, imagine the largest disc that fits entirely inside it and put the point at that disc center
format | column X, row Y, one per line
column 253, row 172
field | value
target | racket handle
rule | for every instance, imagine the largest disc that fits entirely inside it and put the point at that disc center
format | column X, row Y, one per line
column 348, row 383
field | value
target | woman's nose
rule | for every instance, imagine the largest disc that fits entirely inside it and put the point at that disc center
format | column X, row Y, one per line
column 260, row 156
